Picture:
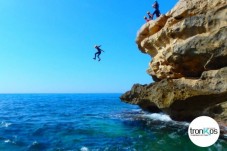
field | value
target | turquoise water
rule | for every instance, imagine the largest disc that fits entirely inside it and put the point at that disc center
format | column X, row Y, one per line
column 87, row 122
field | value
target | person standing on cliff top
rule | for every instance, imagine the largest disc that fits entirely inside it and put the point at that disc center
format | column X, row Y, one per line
column 150, row 15
column 99, row 52
column 156, row 12
column 147, row 20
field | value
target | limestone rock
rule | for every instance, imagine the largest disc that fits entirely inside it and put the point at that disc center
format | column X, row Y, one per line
column 183, row 98
column 188, row 40
column 188, row 46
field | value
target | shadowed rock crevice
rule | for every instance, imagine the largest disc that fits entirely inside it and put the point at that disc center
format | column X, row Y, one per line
column 196, row 106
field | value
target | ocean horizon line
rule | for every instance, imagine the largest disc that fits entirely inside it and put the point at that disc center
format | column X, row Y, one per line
column 63, row 93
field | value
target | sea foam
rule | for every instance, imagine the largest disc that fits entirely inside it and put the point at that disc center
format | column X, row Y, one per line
column 158, row 117
column 5, row 124
column 84, row 149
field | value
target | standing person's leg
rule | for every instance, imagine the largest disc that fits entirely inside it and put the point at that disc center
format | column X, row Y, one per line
column 158, row 13
column 154, row 13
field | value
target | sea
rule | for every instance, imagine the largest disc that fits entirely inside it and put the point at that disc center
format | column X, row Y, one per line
column 88, row 122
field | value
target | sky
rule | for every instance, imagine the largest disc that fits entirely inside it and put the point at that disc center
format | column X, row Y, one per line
column 47, row 46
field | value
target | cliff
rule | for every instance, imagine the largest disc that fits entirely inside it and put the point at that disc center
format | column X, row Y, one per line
column 188, row 47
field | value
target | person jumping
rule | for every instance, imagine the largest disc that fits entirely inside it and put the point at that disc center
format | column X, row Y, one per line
column 98, row 53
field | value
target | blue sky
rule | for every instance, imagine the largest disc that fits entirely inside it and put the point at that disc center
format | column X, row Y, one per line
column 47, row 46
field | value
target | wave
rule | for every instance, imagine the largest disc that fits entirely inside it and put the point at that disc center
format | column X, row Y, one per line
column 84, row 149
column 5, row 124
column 7, row 141
column 163, row 118
column 158, row 117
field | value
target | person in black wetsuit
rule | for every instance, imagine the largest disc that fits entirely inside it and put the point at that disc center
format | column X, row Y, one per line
column 98, row 53
column 156, row 12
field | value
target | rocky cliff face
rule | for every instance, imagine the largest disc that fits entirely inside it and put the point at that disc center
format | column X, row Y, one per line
column 188, row 46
